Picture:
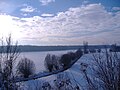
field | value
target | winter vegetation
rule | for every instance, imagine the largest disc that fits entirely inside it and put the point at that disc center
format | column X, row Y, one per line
column 52, row 62
column 115, row 48
column 62, row 45
column 25, row 67
column 69, row 71
column 7, row 63
column 104, row 74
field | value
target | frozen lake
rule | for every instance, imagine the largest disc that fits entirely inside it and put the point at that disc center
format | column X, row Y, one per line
column 38, row 57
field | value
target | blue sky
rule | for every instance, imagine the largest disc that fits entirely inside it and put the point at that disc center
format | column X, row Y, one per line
column 60, row 22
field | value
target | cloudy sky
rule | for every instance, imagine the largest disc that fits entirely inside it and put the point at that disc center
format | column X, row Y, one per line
column 60, row 22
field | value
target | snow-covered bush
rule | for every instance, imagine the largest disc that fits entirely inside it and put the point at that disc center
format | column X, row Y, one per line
column 92, row 50
column 26, row 67
column 64, row 82
column 98, row 50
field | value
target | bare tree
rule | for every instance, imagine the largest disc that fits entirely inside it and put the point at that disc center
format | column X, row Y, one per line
column 8, row 56
column 106, row 71
column 52, row 62
column 85, row 47
column 26, row 67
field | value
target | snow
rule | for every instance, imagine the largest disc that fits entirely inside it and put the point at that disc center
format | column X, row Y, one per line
column 74, row 72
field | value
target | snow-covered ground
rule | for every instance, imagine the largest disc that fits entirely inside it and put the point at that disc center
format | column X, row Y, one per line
column 74, row 72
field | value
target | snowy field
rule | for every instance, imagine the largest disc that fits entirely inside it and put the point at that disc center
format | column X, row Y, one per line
column 74, row 73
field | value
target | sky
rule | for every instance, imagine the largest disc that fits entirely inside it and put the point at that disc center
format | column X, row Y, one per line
column 60, row 22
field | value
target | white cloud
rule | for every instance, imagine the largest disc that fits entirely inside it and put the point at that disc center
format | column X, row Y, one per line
column 28, row 9
column 24, row 14
column 47, row 15
column 116, row 8
column 85, row 2
column 90, row 23
column 45, row 2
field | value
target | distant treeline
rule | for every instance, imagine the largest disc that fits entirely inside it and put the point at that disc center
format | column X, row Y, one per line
column 30, row 48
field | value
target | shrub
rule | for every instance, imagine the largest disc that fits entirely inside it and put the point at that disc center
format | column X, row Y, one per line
column 26, row 67
column 47, row 63
column 98, row 50
column 52, row 62
column 63, row 82
column 79, row 53
column 114, row 48
column 72, row 55
column 65, row 60
column 92, row 50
